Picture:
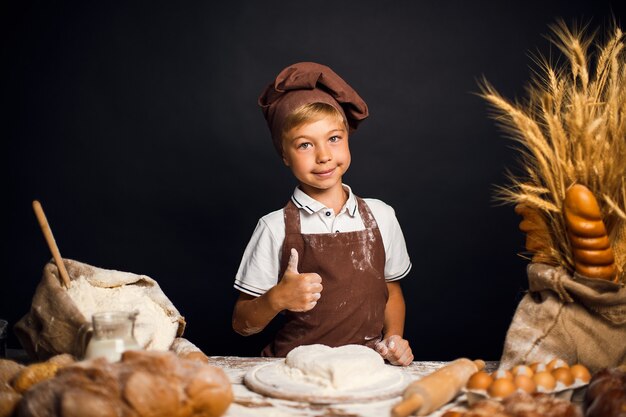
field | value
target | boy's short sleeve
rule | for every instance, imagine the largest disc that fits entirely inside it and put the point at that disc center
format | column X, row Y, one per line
column 259, row 267
column 397, row 261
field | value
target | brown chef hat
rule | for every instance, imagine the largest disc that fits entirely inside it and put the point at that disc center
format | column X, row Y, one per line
column 303, row 83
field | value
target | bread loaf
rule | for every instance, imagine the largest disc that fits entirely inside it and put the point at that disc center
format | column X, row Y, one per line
column 142, row 384
column 606, row 394
column 187, row 350
column 152, row 395
column 76, row 402
column 591, row 248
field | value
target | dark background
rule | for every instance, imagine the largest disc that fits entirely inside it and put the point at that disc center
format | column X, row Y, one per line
column 136, row 126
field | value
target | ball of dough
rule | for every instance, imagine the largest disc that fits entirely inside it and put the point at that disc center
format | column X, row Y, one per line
column 344, row 367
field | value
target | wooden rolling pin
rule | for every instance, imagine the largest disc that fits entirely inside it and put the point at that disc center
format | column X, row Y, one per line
column 436, row 389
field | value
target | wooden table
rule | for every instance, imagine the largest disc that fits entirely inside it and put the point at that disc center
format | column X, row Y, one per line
column 250, row 404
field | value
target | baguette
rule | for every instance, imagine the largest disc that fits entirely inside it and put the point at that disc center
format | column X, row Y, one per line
column 591, row 248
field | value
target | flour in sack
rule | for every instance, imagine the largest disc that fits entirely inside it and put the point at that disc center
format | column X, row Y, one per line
column 154, row 329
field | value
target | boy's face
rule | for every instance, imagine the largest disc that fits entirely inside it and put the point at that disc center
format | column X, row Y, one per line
column 317, row 153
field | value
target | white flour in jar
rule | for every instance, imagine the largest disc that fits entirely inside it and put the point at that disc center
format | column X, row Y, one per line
column 154, row 329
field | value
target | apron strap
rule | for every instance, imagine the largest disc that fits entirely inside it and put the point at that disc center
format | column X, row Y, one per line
column 369, row 222
column 291, row 214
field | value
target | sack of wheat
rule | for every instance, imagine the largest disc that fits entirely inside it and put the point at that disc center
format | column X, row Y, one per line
column 572, row 196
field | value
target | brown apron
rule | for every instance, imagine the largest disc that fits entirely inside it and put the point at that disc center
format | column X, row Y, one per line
column 352, row 307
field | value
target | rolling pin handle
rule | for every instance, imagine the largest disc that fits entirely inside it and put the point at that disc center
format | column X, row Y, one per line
column 408, row 406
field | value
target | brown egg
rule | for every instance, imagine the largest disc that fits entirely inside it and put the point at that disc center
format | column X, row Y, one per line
column 479, row 380
column 502, row 373
column 555, row 364
column 525, row 383
column 501, row 388
column 580, row 373
column 544, row 381
column 563, row 375
column 522, row 370
column 452, row 414
column 537, row 367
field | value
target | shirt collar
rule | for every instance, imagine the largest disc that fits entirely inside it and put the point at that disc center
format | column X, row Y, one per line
column 310, row 205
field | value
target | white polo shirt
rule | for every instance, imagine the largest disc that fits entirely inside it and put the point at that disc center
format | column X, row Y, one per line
column 260, row 265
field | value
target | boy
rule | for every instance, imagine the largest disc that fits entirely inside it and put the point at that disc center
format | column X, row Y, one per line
column 351, row 251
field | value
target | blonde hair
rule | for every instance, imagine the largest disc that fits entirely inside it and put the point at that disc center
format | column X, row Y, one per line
column 311, row 112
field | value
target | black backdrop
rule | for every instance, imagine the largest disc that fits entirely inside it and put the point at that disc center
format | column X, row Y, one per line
column 136, row 125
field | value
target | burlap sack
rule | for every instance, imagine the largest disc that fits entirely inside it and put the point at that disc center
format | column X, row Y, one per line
column 54, row 323
column 577, row 319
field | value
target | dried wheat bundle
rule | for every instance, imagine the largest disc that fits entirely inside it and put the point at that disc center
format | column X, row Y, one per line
column 572, row 130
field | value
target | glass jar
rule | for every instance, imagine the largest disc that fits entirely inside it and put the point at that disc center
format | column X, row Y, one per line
column 112, row 335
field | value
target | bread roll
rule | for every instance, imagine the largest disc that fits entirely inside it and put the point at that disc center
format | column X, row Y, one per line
column 195, row 356
column 62, row 360
column 33, row 374
column 8, row 370
column 538, row 239
column 207, row 394
column 591, row 248
column 8, row 402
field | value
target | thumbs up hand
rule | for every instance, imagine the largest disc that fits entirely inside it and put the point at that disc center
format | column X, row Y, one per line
column 292, row 265
column 295, row 291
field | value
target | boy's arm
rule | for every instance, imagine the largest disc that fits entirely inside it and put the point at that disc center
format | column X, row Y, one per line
column 294, row 292
column 252, row 314
column 393, row 347
column 395, row 311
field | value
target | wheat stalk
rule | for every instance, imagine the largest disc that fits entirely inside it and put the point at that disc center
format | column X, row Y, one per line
column 571, row 129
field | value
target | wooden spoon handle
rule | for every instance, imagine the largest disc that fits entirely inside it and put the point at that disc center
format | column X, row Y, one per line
column 47, row 234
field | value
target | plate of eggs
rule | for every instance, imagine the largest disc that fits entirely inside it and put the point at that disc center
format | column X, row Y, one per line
column 554, row 377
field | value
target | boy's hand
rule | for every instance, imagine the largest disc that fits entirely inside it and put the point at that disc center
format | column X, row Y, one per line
column 298, row 292
column 396, row 350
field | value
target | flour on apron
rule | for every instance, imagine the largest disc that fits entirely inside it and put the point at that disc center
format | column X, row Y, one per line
column 352, row 306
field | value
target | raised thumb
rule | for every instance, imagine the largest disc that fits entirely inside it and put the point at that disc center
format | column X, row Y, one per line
column 292, row 265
